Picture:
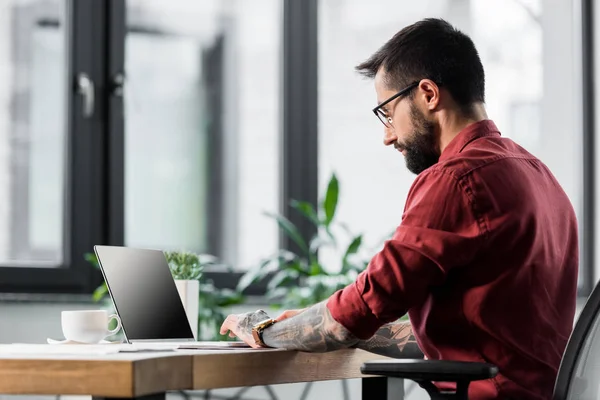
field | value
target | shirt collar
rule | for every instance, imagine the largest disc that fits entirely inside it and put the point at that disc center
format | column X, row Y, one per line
column 473, row 131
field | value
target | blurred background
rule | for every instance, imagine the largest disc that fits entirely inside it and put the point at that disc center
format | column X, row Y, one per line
column 178, row 124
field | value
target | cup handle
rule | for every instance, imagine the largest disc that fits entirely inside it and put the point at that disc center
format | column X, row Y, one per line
column 113, row 331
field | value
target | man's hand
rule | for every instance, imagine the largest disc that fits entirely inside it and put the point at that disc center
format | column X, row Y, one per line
column 240, row 325
column 289, row 314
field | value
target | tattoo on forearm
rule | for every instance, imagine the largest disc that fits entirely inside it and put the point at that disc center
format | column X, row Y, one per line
column 313, row 330
column 393, row 340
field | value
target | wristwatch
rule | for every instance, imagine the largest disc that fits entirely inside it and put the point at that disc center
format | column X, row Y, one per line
column 257, row 331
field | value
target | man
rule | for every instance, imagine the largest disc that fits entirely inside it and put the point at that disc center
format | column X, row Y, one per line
column 485, row 258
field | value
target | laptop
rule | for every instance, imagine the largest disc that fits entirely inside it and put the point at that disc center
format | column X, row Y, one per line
column 146, row 299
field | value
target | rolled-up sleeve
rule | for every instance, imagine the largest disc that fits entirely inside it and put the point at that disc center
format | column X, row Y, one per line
column 439, row 231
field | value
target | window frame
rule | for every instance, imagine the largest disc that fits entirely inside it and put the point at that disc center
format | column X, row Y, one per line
column 587, row 227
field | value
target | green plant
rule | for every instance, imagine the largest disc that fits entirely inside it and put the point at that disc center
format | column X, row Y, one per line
column 299, row 279
column 101, row 291
column 185, row 265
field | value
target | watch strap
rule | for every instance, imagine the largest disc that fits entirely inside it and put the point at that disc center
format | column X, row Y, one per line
column 258, row 329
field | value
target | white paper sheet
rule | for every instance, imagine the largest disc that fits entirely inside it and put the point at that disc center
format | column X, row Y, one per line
column 77, row 349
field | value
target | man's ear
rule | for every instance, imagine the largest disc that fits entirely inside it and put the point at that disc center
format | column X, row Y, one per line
column 430, row 93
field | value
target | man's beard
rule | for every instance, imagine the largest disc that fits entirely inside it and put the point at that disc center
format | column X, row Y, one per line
column 420, row 149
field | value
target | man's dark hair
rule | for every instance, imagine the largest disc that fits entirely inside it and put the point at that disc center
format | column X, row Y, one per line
column 432, row 49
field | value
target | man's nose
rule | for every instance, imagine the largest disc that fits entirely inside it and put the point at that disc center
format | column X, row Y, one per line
column 389, row 137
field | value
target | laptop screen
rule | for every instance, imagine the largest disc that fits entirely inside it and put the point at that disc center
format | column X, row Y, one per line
column 144, row 293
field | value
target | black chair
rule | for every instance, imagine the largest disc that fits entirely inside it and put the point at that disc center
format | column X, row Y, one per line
column 578, row 375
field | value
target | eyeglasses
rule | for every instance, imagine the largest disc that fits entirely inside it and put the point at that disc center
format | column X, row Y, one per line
column 382, row 115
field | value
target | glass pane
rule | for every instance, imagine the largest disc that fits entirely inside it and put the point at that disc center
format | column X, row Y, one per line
column 202, row 106
column 532, row 93
column 32, row 131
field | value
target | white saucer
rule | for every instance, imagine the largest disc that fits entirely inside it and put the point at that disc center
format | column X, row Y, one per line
column 54, row 341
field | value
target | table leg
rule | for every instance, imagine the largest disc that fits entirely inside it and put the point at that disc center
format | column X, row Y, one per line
column 382, row 389
column 156, row 396
column 305, row 391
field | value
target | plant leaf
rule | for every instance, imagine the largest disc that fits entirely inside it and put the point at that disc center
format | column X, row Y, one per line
column 331, row 200
column 352, row 249
column 331, row 235
column 300, row 265
column 291, row 231
column 307, row 210
column 100, row 292
column 282, row 278
column 277, row 261
column 92, row 259
column 277, row 296
column 316, row 243
column 345, row 227
column 229, row 298
column 253, row 275
column 316, row 269
column 354, row 245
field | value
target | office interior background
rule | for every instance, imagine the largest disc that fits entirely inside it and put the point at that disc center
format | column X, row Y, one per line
column 205, row 115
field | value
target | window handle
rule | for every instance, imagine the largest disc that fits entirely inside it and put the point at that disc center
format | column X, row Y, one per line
column 85, row 87
column 118, row 84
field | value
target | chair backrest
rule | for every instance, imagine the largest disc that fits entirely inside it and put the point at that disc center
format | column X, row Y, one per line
column 579, row 372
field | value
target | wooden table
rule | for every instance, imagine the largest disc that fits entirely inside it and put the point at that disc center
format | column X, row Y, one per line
column 150, row 375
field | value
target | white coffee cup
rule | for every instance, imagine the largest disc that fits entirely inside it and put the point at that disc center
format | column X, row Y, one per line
column 88, row 326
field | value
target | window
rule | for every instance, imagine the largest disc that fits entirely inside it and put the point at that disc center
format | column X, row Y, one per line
column 136, row 123
column 532, row 92
column 52, row 146
column 32, row 132
column 218, row 104
column 201, row 127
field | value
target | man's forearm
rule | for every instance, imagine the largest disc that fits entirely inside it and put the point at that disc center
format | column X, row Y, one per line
column 313, row 330
column 393, row 340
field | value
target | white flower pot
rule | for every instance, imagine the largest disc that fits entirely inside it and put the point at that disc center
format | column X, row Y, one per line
column 189, row 291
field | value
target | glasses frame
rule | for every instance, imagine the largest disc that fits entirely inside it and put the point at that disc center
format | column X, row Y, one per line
column 385, row 120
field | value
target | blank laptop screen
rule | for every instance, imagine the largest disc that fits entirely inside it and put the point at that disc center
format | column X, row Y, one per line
column 144, row 293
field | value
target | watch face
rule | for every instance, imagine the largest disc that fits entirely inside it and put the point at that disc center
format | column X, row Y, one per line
column 258, row 328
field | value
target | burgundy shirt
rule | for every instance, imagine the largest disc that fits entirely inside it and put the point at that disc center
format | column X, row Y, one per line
column 485, row 262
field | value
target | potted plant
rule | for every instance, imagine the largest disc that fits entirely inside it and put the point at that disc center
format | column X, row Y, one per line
column 187, row 268
column 299, row 279
column 203, row 302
